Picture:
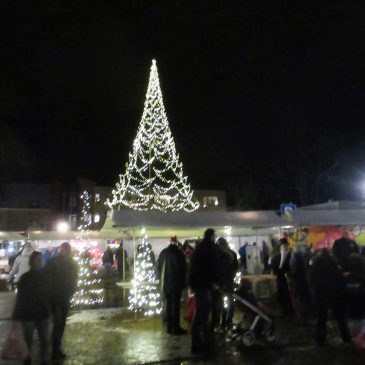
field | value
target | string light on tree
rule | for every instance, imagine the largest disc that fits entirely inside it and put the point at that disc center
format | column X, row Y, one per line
column 154, row 179
column 86, row 217
column 89, row 292
column 144, row 295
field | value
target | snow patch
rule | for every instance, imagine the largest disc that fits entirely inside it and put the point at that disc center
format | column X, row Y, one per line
column 93, row 315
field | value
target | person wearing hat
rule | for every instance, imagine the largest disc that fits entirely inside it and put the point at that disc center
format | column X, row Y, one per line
column 171, row 270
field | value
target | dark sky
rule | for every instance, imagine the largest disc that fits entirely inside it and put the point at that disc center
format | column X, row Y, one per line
column 248, row 86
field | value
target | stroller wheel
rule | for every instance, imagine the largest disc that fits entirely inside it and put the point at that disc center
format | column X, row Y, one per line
column 248, row 338
column 269, row 335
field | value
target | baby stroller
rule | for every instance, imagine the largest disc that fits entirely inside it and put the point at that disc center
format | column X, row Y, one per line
column 255, row 322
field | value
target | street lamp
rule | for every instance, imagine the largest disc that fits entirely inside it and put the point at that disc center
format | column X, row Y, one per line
column 62, row 227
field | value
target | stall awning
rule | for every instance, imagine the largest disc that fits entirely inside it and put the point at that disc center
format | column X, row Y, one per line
column 326, row 217
column 130, row 218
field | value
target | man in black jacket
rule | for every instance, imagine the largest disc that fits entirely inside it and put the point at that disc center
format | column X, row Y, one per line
column 32, row 306
column 171, row 269
column 343, row 248
column 203, row 279
column 327, row 286
column 62, row 272
column 281, row 268
column 222, row 301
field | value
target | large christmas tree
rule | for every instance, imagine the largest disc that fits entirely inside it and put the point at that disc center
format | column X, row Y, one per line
column 154, row 178
column 144, row 296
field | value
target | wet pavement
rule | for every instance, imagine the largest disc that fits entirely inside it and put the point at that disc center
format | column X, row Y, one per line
column 113, row 336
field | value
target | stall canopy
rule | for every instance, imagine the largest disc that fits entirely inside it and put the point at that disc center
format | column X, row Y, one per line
column 161, row 224
column 326, row 217
column 11, row 236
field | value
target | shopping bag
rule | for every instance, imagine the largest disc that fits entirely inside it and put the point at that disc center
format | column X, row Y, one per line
column 190, row 309
column 359, row 338
column 15, row 347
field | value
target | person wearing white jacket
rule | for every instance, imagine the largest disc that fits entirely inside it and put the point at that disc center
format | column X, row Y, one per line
column 21, row 263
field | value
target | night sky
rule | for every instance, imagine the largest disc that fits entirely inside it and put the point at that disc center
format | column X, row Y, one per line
column 264, row 98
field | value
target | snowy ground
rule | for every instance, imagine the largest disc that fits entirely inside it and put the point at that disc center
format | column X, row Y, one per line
column 113, row 336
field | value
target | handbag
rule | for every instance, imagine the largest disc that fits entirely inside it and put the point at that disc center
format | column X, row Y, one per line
column 15, row 347
column 190, row 309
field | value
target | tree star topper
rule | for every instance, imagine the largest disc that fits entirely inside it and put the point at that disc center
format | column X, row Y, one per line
column 154, row 178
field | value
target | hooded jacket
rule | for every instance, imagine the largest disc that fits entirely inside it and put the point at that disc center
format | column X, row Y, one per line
column 21, row 263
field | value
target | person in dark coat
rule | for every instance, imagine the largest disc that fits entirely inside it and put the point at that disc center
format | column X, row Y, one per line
column 32, row 306
column 243, row 257
column 222, row 300
column 108, row 260
column 355, row 287
column 327, row 286
column 121, row 258
column 203, row 279
column 281, row 268
column 299, row 265
column 343, row 248
column 62, row 272
column 171, row 270
column 265, row 255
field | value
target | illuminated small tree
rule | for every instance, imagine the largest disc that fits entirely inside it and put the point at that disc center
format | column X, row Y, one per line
column 86, row 216
column 154, row 179
column 144, row 296
column 89, row 293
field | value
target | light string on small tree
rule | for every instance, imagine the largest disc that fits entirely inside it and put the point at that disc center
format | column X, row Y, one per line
column 154, row 179
column 86, row 216
column 89, row 293
column 144, row 295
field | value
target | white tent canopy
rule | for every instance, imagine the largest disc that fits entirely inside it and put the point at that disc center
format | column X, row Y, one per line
column 257, row 219
column 326, row 217
column 11, row 236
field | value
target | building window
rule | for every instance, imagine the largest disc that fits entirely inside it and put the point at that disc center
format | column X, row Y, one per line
column 97, row 198
column 73, row 220
column 210, row 201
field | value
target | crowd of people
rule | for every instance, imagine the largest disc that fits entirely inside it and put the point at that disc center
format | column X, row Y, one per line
column 119, row 257
column 208, row 270
column 308, row 281
column 327, row 280
column 44, row 293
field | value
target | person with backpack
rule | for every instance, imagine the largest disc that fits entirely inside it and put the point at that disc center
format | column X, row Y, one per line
column 222, row 300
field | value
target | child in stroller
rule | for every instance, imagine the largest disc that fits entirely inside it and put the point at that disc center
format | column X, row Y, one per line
column 255, row 322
